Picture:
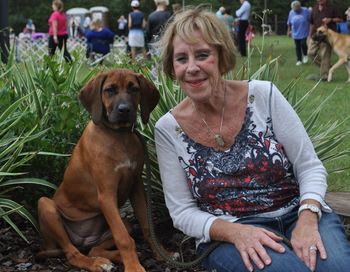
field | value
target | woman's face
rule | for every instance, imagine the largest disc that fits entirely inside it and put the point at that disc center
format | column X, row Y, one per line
column 196, row 67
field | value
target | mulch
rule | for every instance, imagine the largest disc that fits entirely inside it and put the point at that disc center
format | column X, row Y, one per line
column 17, row 255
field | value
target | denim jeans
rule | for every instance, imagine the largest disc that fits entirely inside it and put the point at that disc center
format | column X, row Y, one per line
column 226, row 258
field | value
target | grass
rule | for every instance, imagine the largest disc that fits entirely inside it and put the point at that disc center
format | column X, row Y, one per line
column 337, row 107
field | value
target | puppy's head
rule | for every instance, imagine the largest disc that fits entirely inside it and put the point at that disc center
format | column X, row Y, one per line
column 321, row 34
column 112, row 98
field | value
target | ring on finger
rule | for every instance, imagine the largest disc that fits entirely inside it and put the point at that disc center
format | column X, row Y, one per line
column 313, row 248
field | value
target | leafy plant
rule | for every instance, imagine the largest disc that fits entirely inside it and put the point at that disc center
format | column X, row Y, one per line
column 13, row 157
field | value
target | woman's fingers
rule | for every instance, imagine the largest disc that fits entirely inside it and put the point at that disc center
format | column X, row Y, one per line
column 255, row 251
column 246, row 261
column 272, row 240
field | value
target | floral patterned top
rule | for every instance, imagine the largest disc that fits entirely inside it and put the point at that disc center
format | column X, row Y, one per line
column 268, row 170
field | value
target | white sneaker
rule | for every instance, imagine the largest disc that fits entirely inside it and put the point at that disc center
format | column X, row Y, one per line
column 298, row 63
column 305, row 59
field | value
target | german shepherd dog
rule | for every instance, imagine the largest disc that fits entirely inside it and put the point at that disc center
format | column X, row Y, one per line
column 340, row 44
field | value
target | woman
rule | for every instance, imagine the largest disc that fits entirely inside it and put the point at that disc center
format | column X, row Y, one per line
column 58, row 30
column 298, row 27
column 98, row 38
column 236, row 163
column 136, row 24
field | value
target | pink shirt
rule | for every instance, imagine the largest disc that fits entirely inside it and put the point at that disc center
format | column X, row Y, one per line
column 60, row 17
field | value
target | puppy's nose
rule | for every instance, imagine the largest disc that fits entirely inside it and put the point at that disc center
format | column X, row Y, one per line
column 123, row 108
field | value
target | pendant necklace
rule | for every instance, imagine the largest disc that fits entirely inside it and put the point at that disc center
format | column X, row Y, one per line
column 219, row 140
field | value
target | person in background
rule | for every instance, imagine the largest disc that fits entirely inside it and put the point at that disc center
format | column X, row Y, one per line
column 86, row 23
column 243, row 13
column 74, row 26
column 347, row 13
column 323, row 13
column 298, row 27
column 29, row 27
column 220, row 12
column 176, row 7
column 156, row 20
column 98, row 39
column 122, row 26
column 228, row 20
column 136, row 24
column 237, row 165
column 58, row 30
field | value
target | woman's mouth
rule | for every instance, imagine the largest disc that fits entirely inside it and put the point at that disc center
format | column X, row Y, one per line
column 195, row 83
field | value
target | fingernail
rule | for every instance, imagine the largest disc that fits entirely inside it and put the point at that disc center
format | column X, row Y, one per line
column 282, row 250
column 267, row 261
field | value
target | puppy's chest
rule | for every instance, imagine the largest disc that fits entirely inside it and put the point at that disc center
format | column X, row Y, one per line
column 128, row 158
column 128, row 164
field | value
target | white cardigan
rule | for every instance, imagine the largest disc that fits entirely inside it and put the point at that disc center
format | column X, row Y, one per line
column 265, row 100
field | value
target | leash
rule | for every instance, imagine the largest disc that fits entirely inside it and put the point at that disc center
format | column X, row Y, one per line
column 160, row 251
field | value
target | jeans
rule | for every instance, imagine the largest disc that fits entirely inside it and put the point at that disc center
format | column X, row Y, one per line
column 242, row 45
column 226, row 258
column 300, row 48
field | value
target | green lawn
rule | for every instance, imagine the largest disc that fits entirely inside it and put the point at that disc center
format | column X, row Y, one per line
column 338, row 107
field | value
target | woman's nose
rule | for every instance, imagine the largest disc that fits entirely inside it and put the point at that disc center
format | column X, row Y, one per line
column 192, row 66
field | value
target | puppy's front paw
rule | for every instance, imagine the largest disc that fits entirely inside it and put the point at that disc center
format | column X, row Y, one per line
column 108, row 267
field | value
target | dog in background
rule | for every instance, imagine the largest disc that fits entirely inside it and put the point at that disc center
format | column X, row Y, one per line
column 104, row 171
column 340, row 44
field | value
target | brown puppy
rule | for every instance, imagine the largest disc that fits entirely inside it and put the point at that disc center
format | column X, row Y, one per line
column 104, row 171
column 341, row 46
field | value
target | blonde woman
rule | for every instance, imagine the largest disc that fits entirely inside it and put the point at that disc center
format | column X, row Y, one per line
column 237, row 165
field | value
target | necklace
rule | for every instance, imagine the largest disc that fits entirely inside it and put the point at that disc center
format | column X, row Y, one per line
column 219, row 140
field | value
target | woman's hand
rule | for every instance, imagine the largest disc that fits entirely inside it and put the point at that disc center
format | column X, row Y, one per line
column 306, row 239
column 249, row 240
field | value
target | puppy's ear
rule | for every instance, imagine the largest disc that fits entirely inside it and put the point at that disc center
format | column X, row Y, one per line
column 149, row 97
column 90, row 97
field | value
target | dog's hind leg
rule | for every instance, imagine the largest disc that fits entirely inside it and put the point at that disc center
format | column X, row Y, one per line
column 347, row 65
column 52, row 229
column 335, row 66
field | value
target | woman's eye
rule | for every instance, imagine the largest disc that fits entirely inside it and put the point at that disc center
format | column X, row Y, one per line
column 202, row 56
column 180, row 59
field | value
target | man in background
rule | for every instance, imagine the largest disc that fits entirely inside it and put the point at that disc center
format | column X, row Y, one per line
column 243, row 13
column 324, row 13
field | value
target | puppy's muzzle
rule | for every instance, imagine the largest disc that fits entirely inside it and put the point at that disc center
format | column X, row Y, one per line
column 123, row 113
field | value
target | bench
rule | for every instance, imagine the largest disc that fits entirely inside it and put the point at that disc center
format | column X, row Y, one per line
column 340, row 202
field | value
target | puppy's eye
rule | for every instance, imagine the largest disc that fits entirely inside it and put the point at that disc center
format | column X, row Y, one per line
column 134, row 90
column 110, row 91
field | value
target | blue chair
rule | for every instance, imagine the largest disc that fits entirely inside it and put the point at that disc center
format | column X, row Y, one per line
column 342, row 28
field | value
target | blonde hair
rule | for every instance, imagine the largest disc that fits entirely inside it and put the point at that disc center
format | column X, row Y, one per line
column 213, row 31
column 295, row 4
column 58, row 4
column 159, row 2
column 96, row 24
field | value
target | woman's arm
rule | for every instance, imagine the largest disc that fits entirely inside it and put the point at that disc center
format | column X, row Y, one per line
column 55, row 30
column 182, row 206
column 308, row 170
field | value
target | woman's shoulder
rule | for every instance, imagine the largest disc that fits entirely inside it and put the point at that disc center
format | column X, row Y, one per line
column 166, row 121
